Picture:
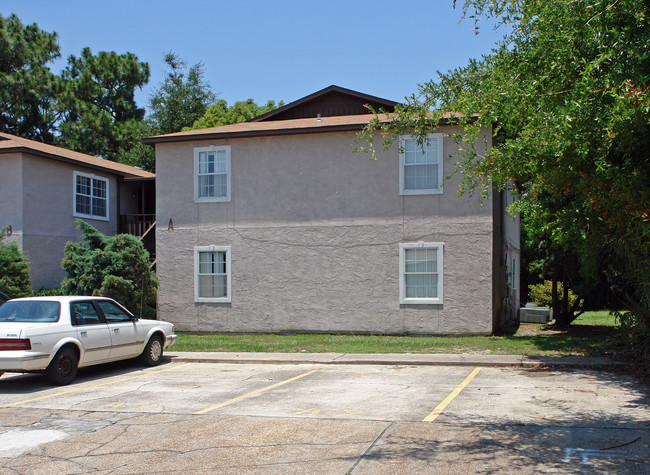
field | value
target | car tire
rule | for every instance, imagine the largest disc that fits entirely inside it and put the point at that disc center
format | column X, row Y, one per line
column 63, row 367
column 153, row 351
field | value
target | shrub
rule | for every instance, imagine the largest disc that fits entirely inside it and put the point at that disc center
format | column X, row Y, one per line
column 543, row 294
column 110, row 266
column 14, row 270
column 49, row 292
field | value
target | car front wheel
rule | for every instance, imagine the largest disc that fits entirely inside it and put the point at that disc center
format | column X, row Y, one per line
column 153, row 352
column 63, row 367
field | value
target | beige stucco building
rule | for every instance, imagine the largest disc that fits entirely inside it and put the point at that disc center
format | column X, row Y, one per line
column 276, row 225
column 43, row 191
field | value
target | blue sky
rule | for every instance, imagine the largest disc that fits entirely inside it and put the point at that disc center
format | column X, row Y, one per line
column 282, row 50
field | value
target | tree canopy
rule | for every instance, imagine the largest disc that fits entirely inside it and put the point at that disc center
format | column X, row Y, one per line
column 89, row 107
column 182, row 98
column 566, row 95
column 97, row 105
column 27, row 86
column 241, row 111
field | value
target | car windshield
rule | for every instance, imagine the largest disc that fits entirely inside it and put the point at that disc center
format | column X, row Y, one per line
column 30, row 311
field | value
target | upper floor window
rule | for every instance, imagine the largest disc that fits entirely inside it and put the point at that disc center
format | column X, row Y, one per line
column 90, row 196
column 420, row 171
column 212, row 173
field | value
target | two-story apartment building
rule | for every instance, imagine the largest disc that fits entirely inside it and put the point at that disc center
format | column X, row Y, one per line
column 44, row 189
column 276, row 225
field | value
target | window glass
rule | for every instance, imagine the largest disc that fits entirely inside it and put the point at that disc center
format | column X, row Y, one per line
column 212, row 275
column 91, row 196
column 212, row 173
column 30, row 311
column 421, row 273
column 112, row 312
column 84, row 313
column 421, row 166
column 420, row 268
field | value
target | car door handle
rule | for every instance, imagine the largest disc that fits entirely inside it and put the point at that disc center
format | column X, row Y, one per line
column 83, row 333
column 116, row 330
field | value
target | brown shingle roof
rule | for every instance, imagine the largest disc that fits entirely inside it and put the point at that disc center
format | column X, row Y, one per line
column 276, row 127
column 11, row 143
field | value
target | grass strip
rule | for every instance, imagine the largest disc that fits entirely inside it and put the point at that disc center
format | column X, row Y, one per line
column 591, row 334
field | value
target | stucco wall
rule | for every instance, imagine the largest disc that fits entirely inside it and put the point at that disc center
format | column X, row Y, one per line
column 11, row 196
column 48, row 220
column 315, row 232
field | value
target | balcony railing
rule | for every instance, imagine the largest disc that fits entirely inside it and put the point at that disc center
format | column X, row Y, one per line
column 143, row 226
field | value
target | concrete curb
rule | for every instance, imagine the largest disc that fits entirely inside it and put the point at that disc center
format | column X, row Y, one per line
column 393, row 359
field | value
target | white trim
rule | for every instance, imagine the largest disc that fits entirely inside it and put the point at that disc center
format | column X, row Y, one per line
column 227, row 250
column 438, row 138
column 211, row 199
column 92, row 178
column 438, row 300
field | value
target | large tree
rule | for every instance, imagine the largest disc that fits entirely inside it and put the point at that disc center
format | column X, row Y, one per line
column 182, row 98
column 566, row 95
column 27, row 86
column 89, row 107
column 99, row 113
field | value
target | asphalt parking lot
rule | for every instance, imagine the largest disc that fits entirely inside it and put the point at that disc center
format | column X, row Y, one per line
column 192, row 416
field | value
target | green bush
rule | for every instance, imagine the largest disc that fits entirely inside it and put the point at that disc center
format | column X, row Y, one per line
column 14, row 270
column 542, row 294
column 110, row 266
column 49, row 293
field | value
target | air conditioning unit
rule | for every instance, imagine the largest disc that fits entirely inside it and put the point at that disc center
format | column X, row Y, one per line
column 531, row 313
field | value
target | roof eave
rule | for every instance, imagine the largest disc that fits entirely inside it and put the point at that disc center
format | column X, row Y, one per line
column 250, row 133
column 270, row 132
column 40, row 153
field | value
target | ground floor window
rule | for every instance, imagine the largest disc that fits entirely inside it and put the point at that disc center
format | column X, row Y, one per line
column 421, row 273
column 212, row 274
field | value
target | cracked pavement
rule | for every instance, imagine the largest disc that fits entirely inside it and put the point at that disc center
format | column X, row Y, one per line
column 120, row 419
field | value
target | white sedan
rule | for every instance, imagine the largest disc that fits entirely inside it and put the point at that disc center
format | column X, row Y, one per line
column 60, row 334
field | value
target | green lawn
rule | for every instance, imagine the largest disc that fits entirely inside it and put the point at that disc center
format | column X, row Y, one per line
column 592, row 333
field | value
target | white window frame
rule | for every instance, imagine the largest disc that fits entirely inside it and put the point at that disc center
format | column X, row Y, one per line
column 438, row 138
column 402, row 272
column 227, row 250
column 92, row 179
column 211, row 199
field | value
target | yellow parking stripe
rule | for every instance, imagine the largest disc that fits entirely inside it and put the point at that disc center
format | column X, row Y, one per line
column 441, row 407
column 258, row 391
column 86, row 388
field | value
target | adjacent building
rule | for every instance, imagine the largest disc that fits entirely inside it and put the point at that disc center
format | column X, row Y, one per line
column 44, row 189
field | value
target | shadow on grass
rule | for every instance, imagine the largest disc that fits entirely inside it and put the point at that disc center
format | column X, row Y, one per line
column 589, row 340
